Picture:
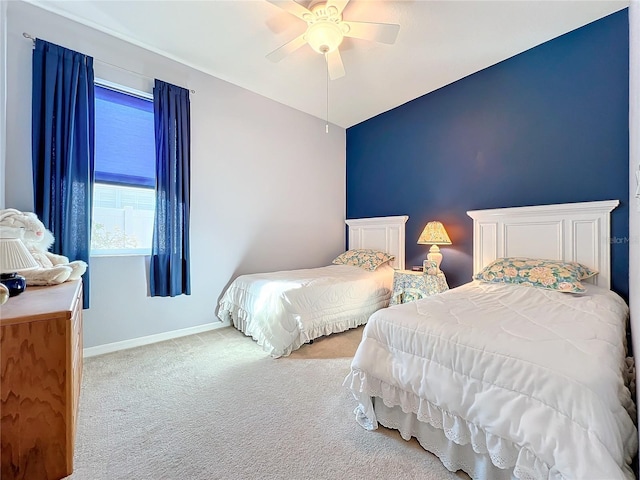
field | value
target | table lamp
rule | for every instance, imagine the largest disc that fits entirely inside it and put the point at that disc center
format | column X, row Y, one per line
column 434, row 234
column 14, row 256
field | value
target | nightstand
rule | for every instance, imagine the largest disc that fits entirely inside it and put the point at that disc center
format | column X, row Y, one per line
column 409, row 286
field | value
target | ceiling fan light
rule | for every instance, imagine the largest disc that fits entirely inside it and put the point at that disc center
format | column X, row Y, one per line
column 324, row 37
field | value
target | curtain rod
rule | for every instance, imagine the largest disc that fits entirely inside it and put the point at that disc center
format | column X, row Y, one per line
column 33, row 39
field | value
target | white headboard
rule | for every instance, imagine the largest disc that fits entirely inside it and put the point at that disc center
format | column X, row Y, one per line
column 380, row 233
column 577, row 232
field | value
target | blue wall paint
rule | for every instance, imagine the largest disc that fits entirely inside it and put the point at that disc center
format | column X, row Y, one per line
column 547, row 126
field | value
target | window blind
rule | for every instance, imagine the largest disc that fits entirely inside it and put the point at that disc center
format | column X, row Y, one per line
column 124, row 140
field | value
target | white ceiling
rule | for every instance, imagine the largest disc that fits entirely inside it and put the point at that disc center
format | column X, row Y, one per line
column 439, row 42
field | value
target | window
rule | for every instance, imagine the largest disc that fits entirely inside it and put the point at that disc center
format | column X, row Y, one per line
column 124, row 187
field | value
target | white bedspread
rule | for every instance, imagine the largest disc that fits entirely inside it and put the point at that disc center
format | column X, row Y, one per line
column 283, row 310
column 532, row 377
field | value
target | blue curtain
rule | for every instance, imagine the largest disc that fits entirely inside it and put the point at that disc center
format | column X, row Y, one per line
column 169, row 266
column 63, row 148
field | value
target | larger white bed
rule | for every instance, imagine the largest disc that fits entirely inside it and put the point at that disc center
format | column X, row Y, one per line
column 283, row 310
column 507, row 381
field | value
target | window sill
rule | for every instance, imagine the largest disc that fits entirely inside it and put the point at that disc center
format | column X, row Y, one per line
column 119, row 254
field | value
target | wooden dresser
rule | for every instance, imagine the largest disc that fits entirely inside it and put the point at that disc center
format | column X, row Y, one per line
column 41, row 356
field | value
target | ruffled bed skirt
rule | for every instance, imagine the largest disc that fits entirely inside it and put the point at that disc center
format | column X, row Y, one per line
column 453, row 456
column 239, row 318
column 459, row 444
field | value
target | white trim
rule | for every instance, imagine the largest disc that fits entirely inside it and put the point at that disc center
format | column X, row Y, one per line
column 124, row 89
column 121, row 252
column 149, row 339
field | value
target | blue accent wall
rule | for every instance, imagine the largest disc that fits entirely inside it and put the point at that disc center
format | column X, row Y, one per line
column 550, row 125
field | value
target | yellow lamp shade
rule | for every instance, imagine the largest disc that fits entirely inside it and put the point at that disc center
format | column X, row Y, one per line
column 434, row 234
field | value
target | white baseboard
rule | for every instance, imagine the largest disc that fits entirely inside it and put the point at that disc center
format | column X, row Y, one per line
column 159, row 337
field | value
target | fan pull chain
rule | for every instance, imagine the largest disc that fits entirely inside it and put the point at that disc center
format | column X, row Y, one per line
column 326, row 59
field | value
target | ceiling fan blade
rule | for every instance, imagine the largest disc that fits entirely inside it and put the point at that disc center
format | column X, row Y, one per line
column 289, row 47
column 334, row 64
column 379, row 32
column 338, row 4
column 294, row 8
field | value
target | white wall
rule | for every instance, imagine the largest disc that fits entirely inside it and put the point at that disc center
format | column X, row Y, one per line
column 268, row 184
column 3, row 95
column 634, row 166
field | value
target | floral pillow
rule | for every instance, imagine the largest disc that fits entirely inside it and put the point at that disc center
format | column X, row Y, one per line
column 364, row 258
column 549, row 274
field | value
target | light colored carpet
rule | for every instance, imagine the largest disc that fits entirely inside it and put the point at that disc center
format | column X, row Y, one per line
column 215, row 406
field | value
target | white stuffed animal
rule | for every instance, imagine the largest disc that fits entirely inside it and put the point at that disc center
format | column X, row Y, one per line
column 53, row 269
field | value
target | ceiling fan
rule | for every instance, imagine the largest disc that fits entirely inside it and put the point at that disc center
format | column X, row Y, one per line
column 326, row 29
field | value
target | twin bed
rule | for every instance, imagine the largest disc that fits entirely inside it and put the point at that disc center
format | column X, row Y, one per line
column 284, row 310
column 518, row 374
column 502, row 379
